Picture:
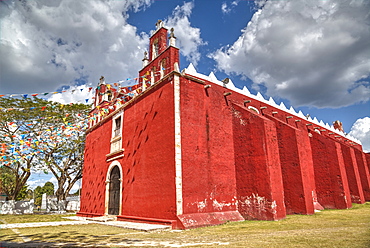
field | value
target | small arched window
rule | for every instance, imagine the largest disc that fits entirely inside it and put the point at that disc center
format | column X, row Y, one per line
column 162, row 68
column 109, row 95
column 155, row 49
column 117, row 132
column 254, row 109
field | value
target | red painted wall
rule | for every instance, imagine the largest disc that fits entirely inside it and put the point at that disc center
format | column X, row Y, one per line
column 209, row 190
column 364, row 173
column 296, row 162
column 353, row 176
column 148, row 164
column 207, row 151
column 97, row 145
column 367, row 158
column 330, row 176
column 258, row 172
column 170, row 55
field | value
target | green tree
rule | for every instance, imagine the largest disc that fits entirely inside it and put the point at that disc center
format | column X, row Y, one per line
column 8, row 182
column 22, row 195
column 29, row 194
column 38, row 195
column 48, row 188
column 36, row 134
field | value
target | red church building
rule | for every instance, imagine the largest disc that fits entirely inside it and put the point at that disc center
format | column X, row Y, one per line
column 187, row 150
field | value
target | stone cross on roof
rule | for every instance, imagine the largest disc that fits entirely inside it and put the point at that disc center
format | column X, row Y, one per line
column 159, row 24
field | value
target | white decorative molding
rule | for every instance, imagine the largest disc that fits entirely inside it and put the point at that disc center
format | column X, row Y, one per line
column 212, row 77
column 272, row 102
column 282, row 107
column 178, row 156
column 190, row 69
column 292, row 111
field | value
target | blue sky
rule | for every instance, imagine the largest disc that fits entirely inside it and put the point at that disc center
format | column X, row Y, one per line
column 313, row 55
column 221, row 28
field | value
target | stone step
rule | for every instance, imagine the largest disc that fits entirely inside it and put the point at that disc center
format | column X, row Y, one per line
column 102, row 218
column 137, row 226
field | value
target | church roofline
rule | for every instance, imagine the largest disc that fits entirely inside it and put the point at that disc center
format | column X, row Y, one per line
column 191, row 71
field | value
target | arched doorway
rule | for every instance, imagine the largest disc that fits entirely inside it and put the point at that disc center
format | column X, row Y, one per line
column 114, row 191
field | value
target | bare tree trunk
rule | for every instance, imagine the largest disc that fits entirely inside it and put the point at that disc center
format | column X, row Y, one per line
column 20, row 179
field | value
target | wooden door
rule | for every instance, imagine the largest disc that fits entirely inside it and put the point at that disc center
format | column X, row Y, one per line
column 114, row 191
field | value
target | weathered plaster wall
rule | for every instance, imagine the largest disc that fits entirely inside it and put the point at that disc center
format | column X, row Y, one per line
column 353, row 176
column 207, row 147
column 297, row 167
column 364, row 172
column 207, row 157
column 330, row 175
column 16, row 207
column 258, row 171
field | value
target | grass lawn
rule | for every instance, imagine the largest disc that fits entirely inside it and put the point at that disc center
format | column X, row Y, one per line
column 26, row 218
column 328, row 228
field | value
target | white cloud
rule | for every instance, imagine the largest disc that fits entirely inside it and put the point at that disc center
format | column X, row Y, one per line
column 54, row 181
column 47, row 44
column 32, row 184
column 313, row 53
column 74, row 94
column 76, row 187
column 36, row 180
column 188, row 37
column 227, row 9
column 224, row 8
column 361, row 131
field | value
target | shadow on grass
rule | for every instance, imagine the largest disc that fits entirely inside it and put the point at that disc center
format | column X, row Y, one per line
column 63, row 239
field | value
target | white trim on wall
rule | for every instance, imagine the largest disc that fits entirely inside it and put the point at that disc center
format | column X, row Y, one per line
column 178, row 156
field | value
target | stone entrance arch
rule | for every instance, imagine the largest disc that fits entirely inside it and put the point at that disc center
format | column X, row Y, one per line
column 113, row 190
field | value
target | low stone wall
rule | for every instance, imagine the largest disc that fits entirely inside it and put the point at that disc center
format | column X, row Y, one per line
column 52, row 205
column 16, row 207
column 72, row 203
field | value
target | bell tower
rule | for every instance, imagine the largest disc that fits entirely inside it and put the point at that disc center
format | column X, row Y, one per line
column 158, row 41
column 163, row 55
column 104, row 93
